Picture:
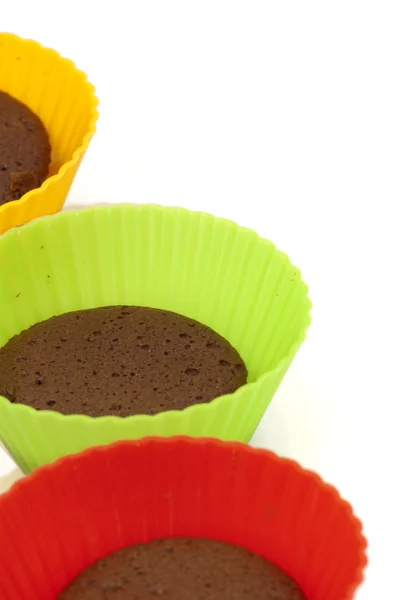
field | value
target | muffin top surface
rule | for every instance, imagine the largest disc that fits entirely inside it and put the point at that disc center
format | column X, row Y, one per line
column 118, row 360
column 183, row 569
column 24, row 149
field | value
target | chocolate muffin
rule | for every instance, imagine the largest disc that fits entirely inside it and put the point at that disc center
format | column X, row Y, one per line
column 24, row 149
column 118, row 360
column 183, row 569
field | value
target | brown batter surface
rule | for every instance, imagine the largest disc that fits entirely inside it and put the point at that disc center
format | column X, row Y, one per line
column 183, row 569
column 24, row 149
column 118, row 360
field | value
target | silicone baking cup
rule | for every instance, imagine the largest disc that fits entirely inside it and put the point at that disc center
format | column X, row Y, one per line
column 65, row 101
column 191, row 263
column 65, row 516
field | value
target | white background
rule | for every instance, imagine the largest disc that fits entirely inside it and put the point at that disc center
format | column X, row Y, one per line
column 286, row 117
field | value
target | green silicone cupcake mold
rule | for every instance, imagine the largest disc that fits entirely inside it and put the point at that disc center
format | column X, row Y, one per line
column 192, row 263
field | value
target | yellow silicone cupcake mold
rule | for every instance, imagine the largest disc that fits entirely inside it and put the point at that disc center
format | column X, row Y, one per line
column 65, row 101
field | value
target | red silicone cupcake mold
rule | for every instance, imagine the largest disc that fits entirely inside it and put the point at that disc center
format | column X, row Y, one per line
column 66, row 515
